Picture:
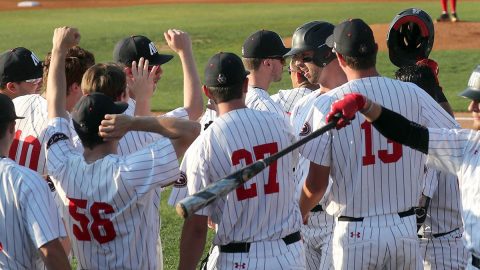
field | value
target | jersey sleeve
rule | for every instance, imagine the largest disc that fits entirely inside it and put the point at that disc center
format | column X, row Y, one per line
column 39, row 210
column 153, row 166
column 317, row 150
column 178, row 113
column 180, row 189
column 448, row 148
column 59, row 146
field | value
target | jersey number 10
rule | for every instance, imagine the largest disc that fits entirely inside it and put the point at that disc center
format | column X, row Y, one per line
column 272, row 185
column 383, row 155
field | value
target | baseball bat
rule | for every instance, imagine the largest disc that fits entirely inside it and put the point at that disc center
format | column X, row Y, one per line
column 222, row 187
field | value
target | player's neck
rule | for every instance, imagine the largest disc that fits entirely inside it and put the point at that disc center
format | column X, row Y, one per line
column 258, row 80
column 100, row 151
column 232, row 105
column 358, row 74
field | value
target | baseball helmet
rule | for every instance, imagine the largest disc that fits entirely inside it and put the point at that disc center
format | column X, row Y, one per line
column 473, row 89
column 311, row 37
column 410, row 37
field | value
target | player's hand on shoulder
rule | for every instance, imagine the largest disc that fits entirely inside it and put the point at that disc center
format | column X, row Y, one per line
column 142, row 81
column 178, row 40
column 114, row 126
column 65, row 37
column 348, row 106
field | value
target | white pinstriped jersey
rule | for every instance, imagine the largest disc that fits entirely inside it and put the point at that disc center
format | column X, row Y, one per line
column 258, row 99
column 288, row 98
column 28, row 216
column 458, row 151
column 264, row 208
column 105, row 202
column 372, row 175
column 444, row 211
column 28, row 147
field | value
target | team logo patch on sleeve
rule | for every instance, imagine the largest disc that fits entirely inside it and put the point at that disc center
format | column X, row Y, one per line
column 306, row 129
column 182, row 181
column 50, row 183
column 55, row 138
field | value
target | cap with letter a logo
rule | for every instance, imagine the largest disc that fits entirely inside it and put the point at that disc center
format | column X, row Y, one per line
column 133, row 48
column 473, row 88
column 19, row 64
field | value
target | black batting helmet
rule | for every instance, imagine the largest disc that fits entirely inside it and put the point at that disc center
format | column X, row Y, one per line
column 311, row 37
column 410, row 37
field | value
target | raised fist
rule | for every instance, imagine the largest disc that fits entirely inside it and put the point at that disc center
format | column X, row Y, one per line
column 65, row 37
column 347, row 106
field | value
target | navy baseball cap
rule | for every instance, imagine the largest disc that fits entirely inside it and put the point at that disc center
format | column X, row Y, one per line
column 473, row 88
column 352, row 37
column 264, row 44
column 224, row 69
column 7, row 109
column 19, row 64
column 133, row 48
column 91, row 109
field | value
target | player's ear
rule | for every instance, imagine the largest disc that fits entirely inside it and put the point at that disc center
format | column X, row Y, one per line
column 11, row 87
column 74, row 89
column 341, row 60
column 207, row 93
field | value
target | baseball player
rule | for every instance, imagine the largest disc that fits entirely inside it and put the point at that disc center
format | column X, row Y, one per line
column 262, row 55
column 301, row 87
column 258, row 224
column 376, row 182
column 474, row 97
column 449, row 150
column 30, row 227
column 319, row 64
column 20, row 72
column 104, row 194
column 441, row 233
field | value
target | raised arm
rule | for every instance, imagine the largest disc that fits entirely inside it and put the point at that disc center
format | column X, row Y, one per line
column 181, row 132
column 180, row 42
column 63, row 39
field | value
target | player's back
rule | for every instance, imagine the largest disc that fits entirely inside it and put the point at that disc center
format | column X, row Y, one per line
column 372, row 175
column 28, row 146
column 106, row 203
column 264, row 208
column 21, row 195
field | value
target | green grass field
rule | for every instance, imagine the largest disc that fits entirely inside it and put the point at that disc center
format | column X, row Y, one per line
column 218, row 27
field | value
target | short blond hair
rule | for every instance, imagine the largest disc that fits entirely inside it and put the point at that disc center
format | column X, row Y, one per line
column 108, row 79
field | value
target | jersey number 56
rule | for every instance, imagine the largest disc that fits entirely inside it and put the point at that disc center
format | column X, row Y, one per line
column 260, row 151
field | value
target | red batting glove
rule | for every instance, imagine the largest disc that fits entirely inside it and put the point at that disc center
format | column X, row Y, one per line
column 348, row 106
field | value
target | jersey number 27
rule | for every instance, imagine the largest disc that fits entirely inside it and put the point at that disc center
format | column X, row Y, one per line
column 260, row 151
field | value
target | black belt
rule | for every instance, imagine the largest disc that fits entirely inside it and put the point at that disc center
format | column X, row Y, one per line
column 317, row 208
column 476, row 261
column 409, row 212
column 436, row 235
column 245, row 247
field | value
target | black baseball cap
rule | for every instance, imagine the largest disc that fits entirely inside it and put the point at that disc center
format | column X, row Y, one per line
column 473, row 88
column 224, row 69
column 91, row 110
column 7, row 109
column 352, row 37
column 310, row 36
column 133, row 48
column 19, row 64
column 264, row 44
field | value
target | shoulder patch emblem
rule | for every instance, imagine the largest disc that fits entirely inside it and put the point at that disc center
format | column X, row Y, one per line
column 55, row 138
column 306, row 129
column 182, row 181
